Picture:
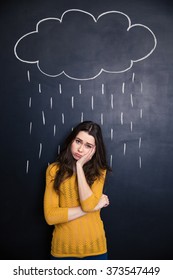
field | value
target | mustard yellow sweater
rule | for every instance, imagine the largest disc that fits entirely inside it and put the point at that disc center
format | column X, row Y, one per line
column 84, row 236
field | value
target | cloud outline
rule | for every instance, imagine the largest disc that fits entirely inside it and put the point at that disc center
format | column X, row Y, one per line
column 102, row 70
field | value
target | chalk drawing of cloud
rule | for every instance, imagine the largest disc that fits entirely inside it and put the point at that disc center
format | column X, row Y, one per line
column 81, row 46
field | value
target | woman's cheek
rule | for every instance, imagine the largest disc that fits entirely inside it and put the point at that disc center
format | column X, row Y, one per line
column 72, row 147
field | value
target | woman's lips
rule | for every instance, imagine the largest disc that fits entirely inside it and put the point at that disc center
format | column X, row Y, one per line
column 78, row 156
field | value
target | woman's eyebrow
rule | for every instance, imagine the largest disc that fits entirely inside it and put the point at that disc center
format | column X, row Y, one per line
column 90, row 144
column 86, row 142
column 77, row 138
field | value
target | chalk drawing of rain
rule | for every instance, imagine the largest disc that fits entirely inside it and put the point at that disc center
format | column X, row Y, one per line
column 82, row 48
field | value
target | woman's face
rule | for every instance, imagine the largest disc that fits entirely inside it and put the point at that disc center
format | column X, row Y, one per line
column 82, row 144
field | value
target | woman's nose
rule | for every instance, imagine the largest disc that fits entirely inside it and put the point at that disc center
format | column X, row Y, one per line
column 80, row 149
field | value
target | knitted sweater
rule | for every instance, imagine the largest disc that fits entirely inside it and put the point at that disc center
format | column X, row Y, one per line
column 84, row 236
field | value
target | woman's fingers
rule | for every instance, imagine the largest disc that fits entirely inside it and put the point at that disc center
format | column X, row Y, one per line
column 106, row 199
column 84, row 159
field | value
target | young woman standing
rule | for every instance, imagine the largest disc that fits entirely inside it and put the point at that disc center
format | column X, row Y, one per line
column 74, row 196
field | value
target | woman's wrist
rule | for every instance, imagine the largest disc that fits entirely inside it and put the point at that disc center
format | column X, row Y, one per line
column 78, row 164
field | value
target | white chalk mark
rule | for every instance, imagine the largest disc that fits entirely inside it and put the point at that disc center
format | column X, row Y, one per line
column 43, row 118
column 140, row 140
column 39, row 88
column 124, row 152
column 59, row 149
column 141, row 87
column 54, row 130
column 131, row 126
column 60, row 89
column 92, row 102
column 112, row 134
column 111, row 160
column 140, row 162
column 122, row 118
column 72, row 102
column 80, row 89
column 130, row 26
column 28, row 75
column 131, row 99
column 112, row 101
column 40, row 150
column 30, row 128
column 103, row 88
column 141, row 113
column 101, row 118
column 81, row 119
column 27, row 166
column 30, row 102
column 133, row 77
column 62, row 118
column 51, row 103
column 123, row 87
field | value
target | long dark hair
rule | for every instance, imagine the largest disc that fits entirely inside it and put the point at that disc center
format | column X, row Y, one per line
column 93, row 168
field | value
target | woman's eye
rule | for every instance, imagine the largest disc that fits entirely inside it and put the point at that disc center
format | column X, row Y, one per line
column 77, row 141
column 88, row 146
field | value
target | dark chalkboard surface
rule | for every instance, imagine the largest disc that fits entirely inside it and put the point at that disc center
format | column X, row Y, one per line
column 68, row 61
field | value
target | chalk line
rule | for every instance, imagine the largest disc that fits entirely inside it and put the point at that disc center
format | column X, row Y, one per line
column 112, row 134
column 54, row 130
column 141, row 113
column 30, row 128
column 133, row 77
column 60, row 89
column 30, row 102
column 81, row 119
column 122, row 118
column 80, row 89
column 27, row 166
column 103, row 88
column 124, row 150
column 140, row 162
column 51, row 103
column 63, row 119
column 101, row 118
column 72, row 102
column 111, row 160
column 112, row 101
column 28, row 75
column 39, row 88
column 59, row 149
column 131, row 99
column 43, row 118
column 131, row 126
column 92, row 102
column 123, row 87
column 40, row 150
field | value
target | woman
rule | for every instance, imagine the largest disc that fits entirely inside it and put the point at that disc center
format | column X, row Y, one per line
column 74, row 196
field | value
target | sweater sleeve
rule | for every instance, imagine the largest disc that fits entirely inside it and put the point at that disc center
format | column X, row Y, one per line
column 89, row 204
column 53, row 213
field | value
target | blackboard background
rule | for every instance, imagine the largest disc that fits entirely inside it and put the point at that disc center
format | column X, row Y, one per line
column 139, row 220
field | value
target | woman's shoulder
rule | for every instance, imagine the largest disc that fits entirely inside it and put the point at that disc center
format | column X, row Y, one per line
column 103, row 172
column 102, row 175
column 52, row 169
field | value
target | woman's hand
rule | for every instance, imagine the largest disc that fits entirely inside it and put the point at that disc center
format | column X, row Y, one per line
column 103, row 202
column 84, row 159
